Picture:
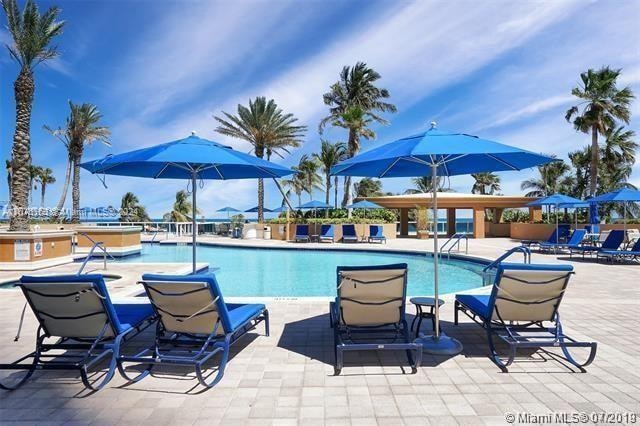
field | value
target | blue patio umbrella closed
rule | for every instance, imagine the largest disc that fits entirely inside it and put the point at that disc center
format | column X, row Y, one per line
column 191, row 158
column 623, row 195
column 438, row 153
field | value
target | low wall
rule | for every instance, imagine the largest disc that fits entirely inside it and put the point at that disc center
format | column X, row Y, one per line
column 34, row 249
column 362, row 229
column 530, row 231
column 118, row 240
column 497, row 230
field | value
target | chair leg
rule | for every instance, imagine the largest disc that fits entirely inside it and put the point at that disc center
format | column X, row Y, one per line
column 266, row 322
column 337, row 352
column 456, row 307
column 30, row 369
column 494, row 353
column 220, row 373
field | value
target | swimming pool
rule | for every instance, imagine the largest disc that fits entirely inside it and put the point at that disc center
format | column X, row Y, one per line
column 304, row 272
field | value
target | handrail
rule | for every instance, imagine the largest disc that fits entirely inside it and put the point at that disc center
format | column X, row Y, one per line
column 526, row 252
column 455, row 242
column 96, row 244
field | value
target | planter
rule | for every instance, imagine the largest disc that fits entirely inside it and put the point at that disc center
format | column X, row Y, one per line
column 34, row 249
column 423, row 235
column 118, row 240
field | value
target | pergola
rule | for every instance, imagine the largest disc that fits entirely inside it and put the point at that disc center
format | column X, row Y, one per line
column 452, row 201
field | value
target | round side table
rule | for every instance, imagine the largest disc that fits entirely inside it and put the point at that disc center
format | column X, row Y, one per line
column 421, row 313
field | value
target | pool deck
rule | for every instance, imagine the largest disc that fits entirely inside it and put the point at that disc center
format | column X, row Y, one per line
column 287, row 378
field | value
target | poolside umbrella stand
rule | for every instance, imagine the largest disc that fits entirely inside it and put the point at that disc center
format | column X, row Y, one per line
column 193, row 159
column 438, row 153
column 556, row 200
column 623, row 195
column 366, row 205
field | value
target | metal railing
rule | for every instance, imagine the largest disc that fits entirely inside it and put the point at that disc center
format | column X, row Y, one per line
column 488, row 275
column 454, row 242
column 96, row 244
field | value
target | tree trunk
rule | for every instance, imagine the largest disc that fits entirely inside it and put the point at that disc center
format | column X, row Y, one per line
column 75, row 190
column 352, row 147
column 593, row 167
column 43, row 189
column 23, row 87
column 259, row 149
column 328, row 195
column 335, row 190
column 65, row 189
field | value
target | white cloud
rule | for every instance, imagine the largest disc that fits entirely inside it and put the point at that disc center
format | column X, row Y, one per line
column 532, row 109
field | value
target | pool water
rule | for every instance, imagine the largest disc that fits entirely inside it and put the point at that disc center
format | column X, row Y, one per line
column 305, row 272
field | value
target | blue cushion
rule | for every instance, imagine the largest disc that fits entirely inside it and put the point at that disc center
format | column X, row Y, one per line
column 132, row 314
column 240, row 313
column 479, row 304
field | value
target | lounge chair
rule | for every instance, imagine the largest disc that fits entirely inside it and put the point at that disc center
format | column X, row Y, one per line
column 376, row 234
column 349, row 234
column 574, row 242
column 90, row 328
column 612, row 242
column 552, row 239
column 302, row 234
column 326, row 233
column 369, row 312
column 194, row 325
column 612, row 255
column 523, row 297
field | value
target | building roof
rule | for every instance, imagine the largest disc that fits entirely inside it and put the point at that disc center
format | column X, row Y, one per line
column 451, row 200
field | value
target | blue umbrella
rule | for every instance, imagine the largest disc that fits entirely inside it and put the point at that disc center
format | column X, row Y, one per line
column 228, row 210
column 280, row 209
column 623, row 195
column 555, row 200
column 190, row 158
column 438, row 153
column 314, row 204
column 364, row 204
column 255, row 210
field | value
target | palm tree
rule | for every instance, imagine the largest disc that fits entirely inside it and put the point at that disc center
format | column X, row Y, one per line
column 84, row 130
column 307, row 173
column 354, row 102
column 267, row 128
column 34, row 171
column 8, row 168
column 549, row 181
column 131, row 210
column 602, row 105
column 181, row 208
column 619, row 147
column 32, row 35
column 45, row 177
column 485, row 183
column 330, row 155
column 368, row 187
column 295, row 184
column 424, row 184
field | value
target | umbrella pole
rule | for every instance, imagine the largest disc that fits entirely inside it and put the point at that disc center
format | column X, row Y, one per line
column 438, row 343
column 194, row 224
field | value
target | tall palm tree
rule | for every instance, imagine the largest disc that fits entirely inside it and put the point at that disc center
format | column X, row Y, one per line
column 32, row 35
column 84, row 130
column 485, row 183
column 354, row 103
column 330, row 155
column 296, row 185
column 131, row 209
column 8, row 168
column 548, row 182
column 368, row 187
column 619, row 147
column 181, row 211
column 265, row 126
column 45, row 177
column 307, row 171
column 603, row 103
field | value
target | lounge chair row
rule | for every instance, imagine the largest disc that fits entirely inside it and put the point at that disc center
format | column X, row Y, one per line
column 349, row 235
column 193, row 322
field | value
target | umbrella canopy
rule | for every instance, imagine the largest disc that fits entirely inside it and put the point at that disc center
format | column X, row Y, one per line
column 364, row 204
column 555, row 200
column 623, row 195
column 280, row 209
column 314, row 204
column 255, row 209
column 227, row 210
column 190, row 158
column 438, row 153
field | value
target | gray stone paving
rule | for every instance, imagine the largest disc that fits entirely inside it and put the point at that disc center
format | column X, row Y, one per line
column 287, row 378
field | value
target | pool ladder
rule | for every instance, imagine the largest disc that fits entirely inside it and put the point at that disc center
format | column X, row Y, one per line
column 488, row 275
column 454, row 242
column 96, row 244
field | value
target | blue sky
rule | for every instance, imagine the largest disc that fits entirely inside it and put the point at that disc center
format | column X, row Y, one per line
column 159, row 69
